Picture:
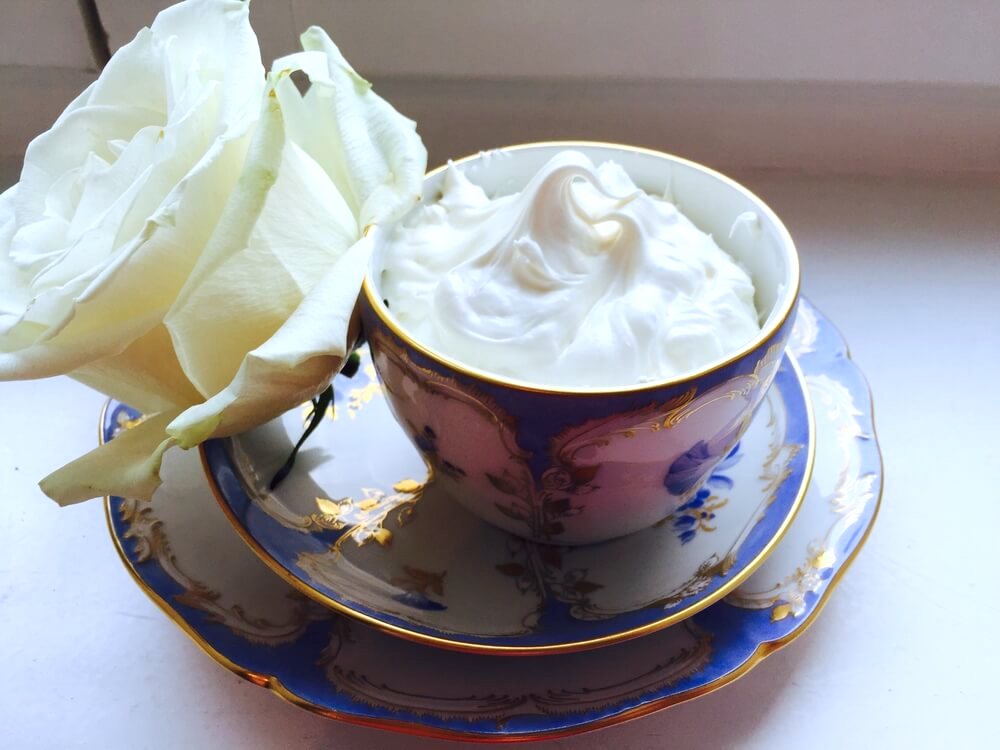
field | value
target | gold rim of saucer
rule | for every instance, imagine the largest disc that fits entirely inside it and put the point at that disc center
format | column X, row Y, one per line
column 787, row 306
column 274, row 685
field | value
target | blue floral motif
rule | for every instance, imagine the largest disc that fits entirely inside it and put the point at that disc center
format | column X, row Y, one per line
column 718, row 480
column 698, row 512
column 687, row 471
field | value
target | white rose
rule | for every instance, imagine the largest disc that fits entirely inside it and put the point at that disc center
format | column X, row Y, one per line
column 247, row 316
column 117, row 200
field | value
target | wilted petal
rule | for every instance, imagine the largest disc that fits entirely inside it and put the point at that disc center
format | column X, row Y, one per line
column 128, row 466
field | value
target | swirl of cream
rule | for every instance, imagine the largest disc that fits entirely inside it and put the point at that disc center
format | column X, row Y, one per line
column 580, row 279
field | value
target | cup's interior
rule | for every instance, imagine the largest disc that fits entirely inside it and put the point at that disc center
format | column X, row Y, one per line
column 712, row 201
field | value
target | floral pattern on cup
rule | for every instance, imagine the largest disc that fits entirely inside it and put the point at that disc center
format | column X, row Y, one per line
column 642, row 464
column 698, row 513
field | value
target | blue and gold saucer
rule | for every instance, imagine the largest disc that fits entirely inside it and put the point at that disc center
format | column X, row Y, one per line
column 360, row 528
column 183, row 553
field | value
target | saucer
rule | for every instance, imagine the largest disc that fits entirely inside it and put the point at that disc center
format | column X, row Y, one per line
column 360, row 528
column 183, row 553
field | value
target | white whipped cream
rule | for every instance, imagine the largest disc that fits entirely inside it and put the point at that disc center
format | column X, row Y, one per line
column 581, row 279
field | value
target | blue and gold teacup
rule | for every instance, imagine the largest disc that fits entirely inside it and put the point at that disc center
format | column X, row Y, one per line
column 570, row 465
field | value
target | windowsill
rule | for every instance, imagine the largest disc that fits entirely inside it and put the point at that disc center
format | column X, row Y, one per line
column 905, row 269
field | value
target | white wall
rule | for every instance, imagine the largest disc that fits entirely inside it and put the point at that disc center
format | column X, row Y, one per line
column 875, row 41
column 43, row 33
column 804, row 85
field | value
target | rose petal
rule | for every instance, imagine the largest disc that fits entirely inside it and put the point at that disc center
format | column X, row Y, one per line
column 370, row 150
column 129, row 466
column 13, row 296
column 292, row 366
column 120, row 304
column 146, row 376
column 216, row 37
column 151, row 149
column 253, row 278
column 375, row 159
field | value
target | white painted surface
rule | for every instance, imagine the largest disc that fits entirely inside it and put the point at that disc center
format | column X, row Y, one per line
column 43, row 33
column 851, row 40
column 45, row 61
column 800, row 85
column 905, row 654
column 828, row 128
column 34, row 97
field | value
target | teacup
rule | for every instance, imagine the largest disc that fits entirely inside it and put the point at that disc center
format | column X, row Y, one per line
column 570, row 465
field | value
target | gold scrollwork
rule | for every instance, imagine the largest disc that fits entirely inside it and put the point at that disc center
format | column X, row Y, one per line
column 365, row 517
column 742, row 386
column 436, row 384
column 124, row 422
column 362, row 517
column 146, row 531
column 663, row 416
column 848, row 500
column 654, row 417
column 501, row 708
column 775, row 470
column 545, row 509
column 805, row 331
column 778, row 464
